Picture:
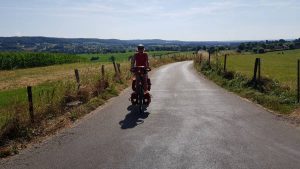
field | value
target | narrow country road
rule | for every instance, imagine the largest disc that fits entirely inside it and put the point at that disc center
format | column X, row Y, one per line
column 191, row 123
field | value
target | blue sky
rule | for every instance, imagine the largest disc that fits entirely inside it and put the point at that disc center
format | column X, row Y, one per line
column 196, row 20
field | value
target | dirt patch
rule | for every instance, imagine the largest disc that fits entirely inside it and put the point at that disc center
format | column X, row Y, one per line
column 295, row 117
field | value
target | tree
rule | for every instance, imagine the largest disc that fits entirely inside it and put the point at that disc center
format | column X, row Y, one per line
column 261, row 50
column 282, row 41
column 297, row 40
column 242, row 47
column 221, row 48
column 255, row 50
column 212, row 49
column 292, row 46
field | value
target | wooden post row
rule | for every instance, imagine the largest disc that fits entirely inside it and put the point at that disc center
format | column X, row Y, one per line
column 30, row 101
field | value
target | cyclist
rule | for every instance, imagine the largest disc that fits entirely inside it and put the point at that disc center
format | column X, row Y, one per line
column 141, row 59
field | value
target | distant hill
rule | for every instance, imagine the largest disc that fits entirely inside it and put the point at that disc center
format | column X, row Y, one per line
column 86, row 45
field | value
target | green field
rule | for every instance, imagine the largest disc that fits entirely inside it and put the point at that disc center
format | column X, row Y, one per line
column 122, row 56
column 275, row 65
column 17, row 60
column 20, row 60
column 277, row 88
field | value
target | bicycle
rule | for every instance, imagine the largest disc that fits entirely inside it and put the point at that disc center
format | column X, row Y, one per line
column 138, row 97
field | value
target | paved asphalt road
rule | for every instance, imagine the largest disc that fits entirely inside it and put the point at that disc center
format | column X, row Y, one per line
column 191, row 123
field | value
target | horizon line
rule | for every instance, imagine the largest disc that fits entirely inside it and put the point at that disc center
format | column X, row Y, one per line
column 254, row 40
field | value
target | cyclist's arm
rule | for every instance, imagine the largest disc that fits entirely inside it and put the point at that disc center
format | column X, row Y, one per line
column 133, row 61
column 147, row 63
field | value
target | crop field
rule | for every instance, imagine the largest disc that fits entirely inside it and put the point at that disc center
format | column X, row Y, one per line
column 20, row 60
column 17, row 60
column 280, row 66
column 13, row 79
column 121, row 57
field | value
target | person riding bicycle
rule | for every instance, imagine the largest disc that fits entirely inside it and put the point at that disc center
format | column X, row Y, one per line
column 141, row 59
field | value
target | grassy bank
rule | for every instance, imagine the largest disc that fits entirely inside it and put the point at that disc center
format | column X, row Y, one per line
column 277, row 95
column 51, row 100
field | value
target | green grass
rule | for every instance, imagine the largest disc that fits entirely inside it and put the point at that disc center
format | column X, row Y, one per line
column 276, row 66
column 15, row 96
column 7, row 97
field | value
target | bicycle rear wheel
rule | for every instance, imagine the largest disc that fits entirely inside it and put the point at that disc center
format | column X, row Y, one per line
column 140, row 94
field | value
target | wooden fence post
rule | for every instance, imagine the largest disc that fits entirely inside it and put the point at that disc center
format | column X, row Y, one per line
column 201, row 58
column 114, row 64
column 102, row 71
column 255, row 70
column 259, row 69
column 30, row 101
column 298, row 82
column 209, row 57
column 77, row 78
column 119, row 68
column 225, row 62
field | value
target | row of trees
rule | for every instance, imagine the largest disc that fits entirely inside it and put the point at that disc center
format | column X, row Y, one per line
column 14, row 60
column 268, row 46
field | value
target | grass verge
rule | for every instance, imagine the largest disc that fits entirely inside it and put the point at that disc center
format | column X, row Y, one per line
column 266, row 92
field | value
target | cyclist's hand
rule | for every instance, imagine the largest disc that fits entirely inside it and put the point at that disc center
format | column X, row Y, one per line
column 132, row 69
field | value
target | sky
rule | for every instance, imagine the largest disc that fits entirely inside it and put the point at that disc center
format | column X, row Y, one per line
column 189, row 20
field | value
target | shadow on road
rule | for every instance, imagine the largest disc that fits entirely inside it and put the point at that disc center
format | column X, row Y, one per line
column 133, row 118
